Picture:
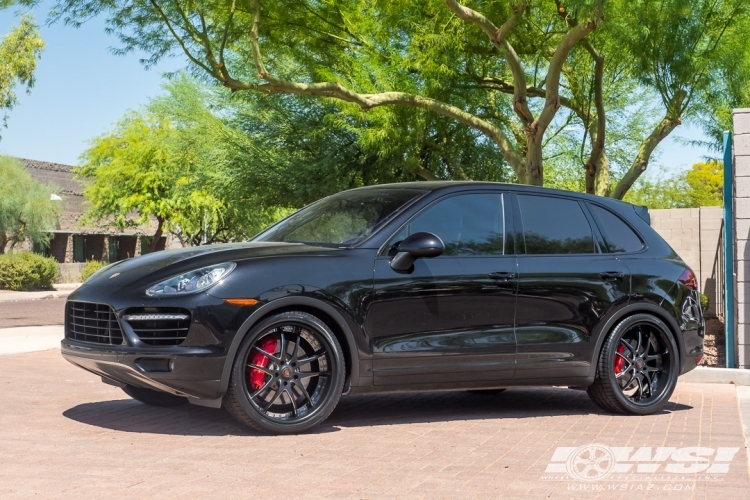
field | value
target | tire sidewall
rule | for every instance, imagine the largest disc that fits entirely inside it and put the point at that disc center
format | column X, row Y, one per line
column 337, row 380
column 608, row 360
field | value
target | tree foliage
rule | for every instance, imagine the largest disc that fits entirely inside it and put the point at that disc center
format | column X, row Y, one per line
column 529, row 78
column 701, row 186
column 27, row 212
column 19, row 51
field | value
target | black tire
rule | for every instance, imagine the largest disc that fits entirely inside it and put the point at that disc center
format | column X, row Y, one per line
column 261, row 402
column 638, row 367
column 154, row 398
column 486, row 392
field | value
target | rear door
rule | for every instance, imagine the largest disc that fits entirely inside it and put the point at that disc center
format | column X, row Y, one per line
column 567, row 283
column 448, row 323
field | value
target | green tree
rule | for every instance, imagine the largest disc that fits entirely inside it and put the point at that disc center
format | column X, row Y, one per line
column 706, row 183
column 27, row 211
column 19, row 51
column 523, row 76
column 137, row 172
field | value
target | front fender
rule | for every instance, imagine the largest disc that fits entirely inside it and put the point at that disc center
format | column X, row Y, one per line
column 286, row 303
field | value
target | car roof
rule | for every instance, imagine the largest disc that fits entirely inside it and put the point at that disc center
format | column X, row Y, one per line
column 455, row 186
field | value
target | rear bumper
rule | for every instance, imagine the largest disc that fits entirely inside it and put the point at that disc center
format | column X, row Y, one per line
column 191, row 372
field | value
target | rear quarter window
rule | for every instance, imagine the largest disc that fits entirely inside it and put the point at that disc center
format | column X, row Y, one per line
column 617, row 234
column 554, row 225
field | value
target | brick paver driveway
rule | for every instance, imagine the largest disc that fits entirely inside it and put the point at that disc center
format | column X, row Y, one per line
column 64, row 433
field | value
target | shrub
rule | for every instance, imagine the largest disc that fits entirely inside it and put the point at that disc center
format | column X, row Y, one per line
column 25, row 271
column 704, row 303
column 90, row 268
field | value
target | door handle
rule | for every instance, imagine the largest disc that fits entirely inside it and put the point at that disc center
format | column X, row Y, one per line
column 502, row 277
column 611, row 275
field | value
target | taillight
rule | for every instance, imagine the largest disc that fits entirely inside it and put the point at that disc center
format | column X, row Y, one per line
column 687, row 278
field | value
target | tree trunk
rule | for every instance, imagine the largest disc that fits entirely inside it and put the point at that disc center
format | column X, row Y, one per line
column 157, row 235
column 3, row 242
column 601, row 182
column 534, row 166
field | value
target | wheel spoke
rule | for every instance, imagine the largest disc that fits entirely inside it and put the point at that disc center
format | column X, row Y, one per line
column 279, row 392
column 259, row 391
column 640, row 341
column 260, row 368
column 649, row 381
column 312, row 358
column 622, row 373
column 295, row 353
column 282, row 349
column 272, row 357
column 302, row 375
column 640, row 387
column 630, row 361
column 647, row 347
column 292, row 398
column 302, row 388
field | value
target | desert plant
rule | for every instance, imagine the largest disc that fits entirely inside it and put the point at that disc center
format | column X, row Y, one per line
column 23, row 271
column 90, row 268
column 704, row 303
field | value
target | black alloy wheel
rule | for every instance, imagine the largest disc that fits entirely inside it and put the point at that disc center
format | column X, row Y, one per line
column 638, row 367
column 288, row 374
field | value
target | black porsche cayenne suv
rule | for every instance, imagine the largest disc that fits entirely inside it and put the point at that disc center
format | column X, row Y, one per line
column 424, row 286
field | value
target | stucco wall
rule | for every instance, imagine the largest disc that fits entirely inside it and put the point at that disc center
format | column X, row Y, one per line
column 694, row 233
column 742, row 233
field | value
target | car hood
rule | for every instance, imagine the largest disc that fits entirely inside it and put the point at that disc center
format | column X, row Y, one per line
column 154, row 267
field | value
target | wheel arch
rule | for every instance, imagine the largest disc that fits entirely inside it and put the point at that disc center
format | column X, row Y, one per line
column 630, row 310
column 325, row 312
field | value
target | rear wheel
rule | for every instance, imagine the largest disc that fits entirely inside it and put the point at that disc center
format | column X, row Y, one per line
column 288, row 375
column 638, row 367
column 154, row 398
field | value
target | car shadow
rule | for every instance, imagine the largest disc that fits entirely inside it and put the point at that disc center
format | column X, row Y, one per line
column 352, row 411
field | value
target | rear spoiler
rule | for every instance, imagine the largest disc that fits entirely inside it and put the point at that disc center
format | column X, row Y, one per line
column 642, row 212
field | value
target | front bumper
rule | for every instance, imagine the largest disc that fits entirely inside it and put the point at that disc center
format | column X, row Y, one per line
column 192, row 369
column 190, row 372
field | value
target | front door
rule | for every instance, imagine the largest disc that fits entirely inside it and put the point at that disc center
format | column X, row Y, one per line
column 448, row 323
column 566, row 284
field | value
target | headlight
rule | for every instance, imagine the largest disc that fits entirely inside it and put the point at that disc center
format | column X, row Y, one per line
column 193, row 281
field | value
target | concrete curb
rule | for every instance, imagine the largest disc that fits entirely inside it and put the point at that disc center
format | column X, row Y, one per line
column 706, row 375
column 61, row 290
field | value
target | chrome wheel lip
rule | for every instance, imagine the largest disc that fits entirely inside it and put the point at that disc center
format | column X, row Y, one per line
column 647, row 368
column 289, row 374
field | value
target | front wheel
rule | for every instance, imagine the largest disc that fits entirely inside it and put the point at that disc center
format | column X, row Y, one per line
column 638, row 367
column 288, row 375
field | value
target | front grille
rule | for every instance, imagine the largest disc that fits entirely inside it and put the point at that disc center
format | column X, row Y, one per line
column 94, row 323
column 159, row 332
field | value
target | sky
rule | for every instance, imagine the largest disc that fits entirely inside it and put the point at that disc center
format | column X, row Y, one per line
column 82, row 89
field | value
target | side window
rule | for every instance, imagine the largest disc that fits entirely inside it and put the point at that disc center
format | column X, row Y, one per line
column 619, row 236
column 468, row 224
column 555, row 226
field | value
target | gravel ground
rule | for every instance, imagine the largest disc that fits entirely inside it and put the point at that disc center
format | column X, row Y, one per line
column 714, row 344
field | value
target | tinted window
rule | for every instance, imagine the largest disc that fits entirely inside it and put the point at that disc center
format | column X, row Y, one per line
column 555, row 226
column 342, row 219
column 619, row 236
column 469, row 224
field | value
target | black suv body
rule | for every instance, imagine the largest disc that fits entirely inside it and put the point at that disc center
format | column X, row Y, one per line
column 407, row 287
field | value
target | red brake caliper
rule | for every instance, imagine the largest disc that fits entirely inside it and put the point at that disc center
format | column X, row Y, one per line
column 257, row 377
column 618, row 359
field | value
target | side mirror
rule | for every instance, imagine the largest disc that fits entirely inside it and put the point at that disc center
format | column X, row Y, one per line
column 416, row 246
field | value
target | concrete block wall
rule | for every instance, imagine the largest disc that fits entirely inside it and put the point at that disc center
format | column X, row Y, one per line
column 694, row 233
column 741, row 161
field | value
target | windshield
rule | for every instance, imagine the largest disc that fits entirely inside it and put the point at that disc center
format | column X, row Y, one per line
column 342, row 219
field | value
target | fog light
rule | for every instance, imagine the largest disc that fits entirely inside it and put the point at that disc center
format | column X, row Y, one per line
column 698, row 359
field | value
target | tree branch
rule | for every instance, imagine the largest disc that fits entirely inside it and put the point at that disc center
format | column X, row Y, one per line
column 498, row 38
column 670, row 121
column 598, row 134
